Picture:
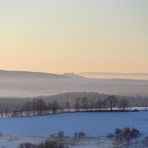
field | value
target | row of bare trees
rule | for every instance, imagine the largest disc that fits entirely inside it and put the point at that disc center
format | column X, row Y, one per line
column 110, row 103
column 32, row 108
column 38, row 106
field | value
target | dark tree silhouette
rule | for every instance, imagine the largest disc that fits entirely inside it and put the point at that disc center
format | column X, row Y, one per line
column 77, row 105
column 123, row 104
column 84, row 103
column 111, row 102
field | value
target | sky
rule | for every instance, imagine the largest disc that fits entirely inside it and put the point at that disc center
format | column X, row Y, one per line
column 74, row 35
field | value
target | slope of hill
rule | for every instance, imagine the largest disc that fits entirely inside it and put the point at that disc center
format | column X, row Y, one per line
column 27, row 74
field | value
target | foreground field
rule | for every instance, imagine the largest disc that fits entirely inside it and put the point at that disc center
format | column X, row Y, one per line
column 31, row 129
column 93, row 124
column 14, row 141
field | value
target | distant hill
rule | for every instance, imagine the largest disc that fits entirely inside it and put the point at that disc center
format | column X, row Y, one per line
column 31, row 84
column 27, row 74
column 107, row 75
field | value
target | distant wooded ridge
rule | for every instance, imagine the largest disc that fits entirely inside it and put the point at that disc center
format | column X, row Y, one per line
column 70, row 98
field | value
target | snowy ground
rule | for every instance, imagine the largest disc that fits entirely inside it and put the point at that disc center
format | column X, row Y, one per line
column 94, row 143
column 32, row 129
column 14, row 141
column 93, row 124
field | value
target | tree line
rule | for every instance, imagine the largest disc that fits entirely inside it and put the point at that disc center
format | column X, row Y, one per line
column 39, row 106
column 111, row 103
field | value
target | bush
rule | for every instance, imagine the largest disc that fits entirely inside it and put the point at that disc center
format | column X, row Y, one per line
column 79, row 135
column 125, row 134
column 61, row 134
column 110, row 135
column 118, row 134
column 145, row 142
column 135, row 133
column 46, row 144
column 26, row 145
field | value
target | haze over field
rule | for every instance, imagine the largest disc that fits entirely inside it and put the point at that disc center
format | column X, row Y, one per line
column 27, row 84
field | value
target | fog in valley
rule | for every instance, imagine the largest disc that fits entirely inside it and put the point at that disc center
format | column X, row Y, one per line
column 28, row 84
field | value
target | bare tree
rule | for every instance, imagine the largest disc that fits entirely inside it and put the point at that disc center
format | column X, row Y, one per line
column 111, row 102
column 92, row 104
column 77, row 105
column 28, row 106
column 123, row 104
column 54, row 106
column 38, row 105
column 67, row 104
column 84, row 103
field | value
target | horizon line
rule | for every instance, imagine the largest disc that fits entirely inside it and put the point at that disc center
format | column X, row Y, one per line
column 88, row 72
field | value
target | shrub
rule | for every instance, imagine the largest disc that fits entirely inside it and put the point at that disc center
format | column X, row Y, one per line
column 128, row 133
column 79, row 135
column 61, row 134
column 26, row 145
column 118, row 134
column 135, row 133
column 145, row 142
column 125, row 134
column 46, row 144
column 110, row 135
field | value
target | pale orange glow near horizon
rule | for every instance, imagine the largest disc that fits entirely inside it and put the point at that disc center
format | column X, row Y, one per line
column 74, row 35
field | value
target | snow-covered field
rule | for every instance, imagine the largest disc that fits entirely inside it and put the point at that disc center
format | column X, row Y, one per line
column 93, row 124
column 94, row 143
column 14, row 141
